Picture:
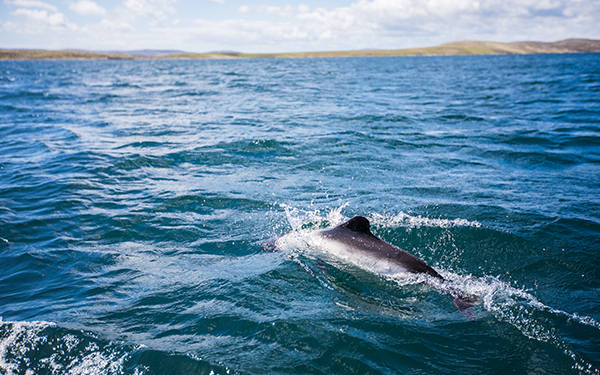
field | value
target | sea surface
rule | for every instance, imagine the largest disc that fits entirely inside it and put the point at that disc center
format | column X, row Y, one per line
column 136, row 197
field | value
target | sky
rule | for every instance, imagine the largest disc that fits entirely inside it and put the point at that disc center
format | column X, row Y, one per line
column 289, row 25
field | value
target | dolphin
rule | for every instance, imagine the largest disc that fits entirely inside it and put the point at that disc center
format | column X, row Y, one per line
column 353, row 242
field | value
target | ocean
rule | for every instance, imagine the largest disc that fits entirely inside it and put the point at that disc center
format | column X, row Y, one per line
column 136, row 197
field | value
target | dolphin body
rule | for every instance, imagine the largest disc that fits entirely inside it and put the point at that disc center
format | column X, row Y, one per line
column 354, row 242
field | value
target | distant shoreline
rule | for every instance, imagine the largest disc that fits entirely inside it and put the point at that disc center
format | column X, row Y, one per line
column 449, row 49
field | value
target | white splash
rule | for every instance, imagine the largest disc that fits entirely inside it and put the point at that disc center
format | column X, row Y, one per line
column 20, row 334
column 405, row 220
column 19, row 338
column 297, row 218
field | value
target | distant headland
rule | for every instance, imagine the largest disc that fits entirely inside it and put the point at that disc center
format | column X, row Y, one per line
column 448, row 49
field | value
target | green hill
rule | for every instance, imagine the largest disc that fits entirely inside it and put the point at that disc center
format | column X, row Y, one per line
column 454, row 48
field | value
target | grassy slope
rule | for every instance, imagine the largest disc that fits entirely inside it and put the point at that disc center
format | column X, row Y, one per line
column 31, row 54
column 454, row 48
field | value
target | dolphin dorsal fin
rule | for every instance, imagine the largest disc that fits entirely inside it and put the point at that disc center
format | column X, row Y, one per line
column 358, row 224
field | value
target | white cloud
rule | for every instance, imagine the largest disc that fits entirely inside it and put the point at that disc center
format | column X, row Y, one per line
column 32, row 4
column 8, row 26
column 246, row 32
column 362, row 24
column 87, row 8
column 154, row 10
column 217, row 1
column 111, row 26
column 411, row 23
column 40, row 21
column 287, row 11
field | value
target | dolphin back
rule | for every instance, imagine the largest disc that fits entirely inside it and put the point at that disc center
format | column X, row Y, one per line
column 361, row 226
column 356, row 233
column 358, row 224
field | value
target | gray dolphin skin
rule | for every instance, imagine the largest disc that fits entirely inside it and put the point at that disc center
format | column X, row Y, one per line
column 354, row 239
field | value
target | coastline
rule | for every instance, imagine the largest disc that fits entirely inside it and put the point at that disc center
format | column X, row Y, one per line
column 464, row 48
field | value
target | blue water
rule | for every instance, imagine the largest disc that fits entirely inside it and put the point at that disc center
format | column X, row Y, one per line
column 135, row 197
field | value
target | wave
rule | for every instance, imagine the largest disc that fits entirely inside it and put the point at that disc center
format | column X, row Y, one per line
column 44, row 347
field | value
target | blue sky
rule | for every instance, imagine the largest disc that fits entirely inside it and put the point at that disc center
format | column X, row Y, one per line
column 287, row 26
